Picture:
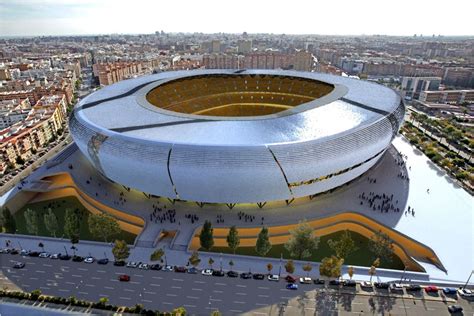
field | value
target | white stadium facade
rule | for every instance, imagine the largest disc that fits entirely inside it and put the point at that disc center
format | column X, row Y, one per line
column 236, row 136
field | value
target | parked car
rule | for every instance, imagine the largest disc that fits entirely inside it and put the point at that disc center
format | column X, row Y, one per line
column 77, row 259
column 246, row 275
column 14, row 251
column 218, row 273
column 292, row 286
column 64, row 257
column 258, row 276
column 207, row 272
column 382, row 285
column 124, row 278
column 193, row 270
column 232, row 274
column 89, row 259
column 155, row 266
column 44, row 255
column 431, row 289
column 119, row 263
column 55, row 256
column 19, row 265
column 305, row 280
column 132, row 264
column 413, row 288
column 465, row 292
column 180, row 269
column 290, row 279
column 454, row 309
column 144, row 266
column 32, row 253
column 350, row 283
column 23, row 252
column 335, row 282
column 396, row 287
column 449, row 290
column 167, row 268
column 366, row 284
column 318, row 281
column 273, row 277
column 103, row 261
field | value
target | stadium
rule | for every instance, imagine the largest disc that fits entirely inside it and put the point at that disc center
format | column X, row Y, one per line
column 236, row 136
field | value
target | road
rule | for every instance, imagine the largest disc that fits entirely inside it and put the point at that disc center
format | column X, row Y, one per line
column 201, row 294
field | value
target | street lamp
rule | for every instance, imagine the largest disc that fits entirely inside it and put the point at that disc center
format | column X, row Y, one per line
column 279, row 269
column 220, row 260
column 470, row 275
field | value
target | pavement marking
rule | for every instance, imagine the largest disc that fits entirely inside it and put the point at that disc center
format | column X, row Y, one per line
column 100, row 271
column 200, row 282
column 148, row 301
column 158, row 278
column 215, row 300
column 220, row 284
column 196, row 289
column 103, row 295
column 95, row 278
column 240, row 293
column 192, row 297
column 149, row 292
column 263, row 288
column 238, row 302
column 82, row 269
column 286, row 297
column 233, row 310
column 47, row 265
column 45, row 288
column 25, row 285
column 33, row 278
column 76, row 275
column 124, row 298
column 85, row 293
column 217, row 291
column 40, row 271
column 179, row 280
column 166, row 303
column 152, row 284
column 261, row 295
column 240, row 285
column 138, row 275
column 108, row 287
column 90, row 285
column 63, row 290
column 134, row 282
column 187, row 305
column 176, row 287
column 129, row 290
column 171, row 294
column 118, row 273
column 260, row 304
column 68, row 282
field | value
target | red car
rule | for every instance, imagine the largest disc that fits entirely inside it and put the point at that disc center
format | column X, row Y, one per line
column 124, row 278
column 431, row 289
column 290, row 279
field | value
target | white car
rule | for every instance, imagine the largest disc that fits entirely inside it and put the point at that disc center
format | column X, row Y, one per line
column 54, row 256
column 143, row 266
column 44, row 255
column 366, row 284
column 89, row 260
column 396, row 286
column 465, row 292
column 167, row 268
column 273, row 277
column 306, row 280
column 207, row 272
column 132, row 264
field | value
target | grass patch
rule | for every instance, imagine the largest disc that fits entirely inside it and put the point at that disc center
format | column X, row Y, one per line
column 58, row 207
column 361, row 257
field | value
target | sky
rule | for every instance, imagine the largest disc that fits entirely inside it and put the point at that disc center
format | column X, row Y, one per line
column 326, row 17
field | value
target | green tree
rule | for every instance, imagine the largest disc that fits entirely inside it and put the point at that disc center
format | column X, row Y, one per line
column 216, row 313
column 120, row 250
column 103, row 301
column 179, row 311
column 307, row 268
column 8, row 221
column 103, row 226
column 331, row 267
column 302, row 241
column 381, row 246
column 51, row 222
column 343, row 246
column 263, row 245
column 373, row 268
column 157, row 255
column 194, row 260
column 290, row 266
column 211, row 262
column 350, row 271
column 269, row 267
column 206, row 237
column 32, row 221
column 233, row 239
column 72, row 225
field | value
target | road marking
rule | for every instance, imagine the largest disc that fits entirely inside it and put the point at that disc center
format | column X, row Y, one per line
column 149, row 292
column 187, row 305
column 108, row 287
column 95, row 278
column 47, row 265
column 148, row 301
column 179, row 280
column 263, row 288
column 63, row 290
column 33, row 278
column 138, row 275
column 85, row 293
column 25, row 285
column 103, row 295
column 72, row 283
column 166, row 303
column 240, row 285
column 260, row 304
column 238, row 302
column 215, row 300
column 233, row 310
column 45, row 288
column 100, row 271
column 124, row 298
column 158, row 278
column 40, row 271
column 171, row 295
column 176, row 287
column 113, row 280
column 261, row 295
column 220, row 284
column 192, row 297
column 76, row 275
column 240, row 293
column 82, row 269
column 129, row 290
column 286, row 297
column 134, row 282
column 200, row 282
column 90, row 285
column 196, row 289
column 152, row 284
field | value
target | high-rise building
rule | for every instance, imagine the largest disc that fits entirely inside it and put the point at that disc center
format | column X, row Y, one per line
column 244, row 46
column 303, row 61
column 412, row 86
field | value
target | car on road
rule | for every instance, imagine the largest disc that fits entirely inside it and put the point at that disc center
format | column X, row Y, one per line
column 64, row 257
column 246, row 275
column 273, row 277
column 306, row 280
column 232, row 274
column 218, row 273
column 14, row 251
column 258, row 276
column 366, row 285
column 55, row 256
column 23, row 252
column 167, row 268
column 454, row 309
column 33, row 254
column 103, row 261
column 290, row 279
column 292, row 286
column 431, row 289
column 335, row 282
column 44, row 255
column 318, row 281
column 449, row 290
column 413, row 288
column 155, row 267
column 193, row 270
column 77, row 259
column 132, row 264
column 180, row 269
column 465, row 292
column 119, row 263
column 349, row 283
column 89, row 259
column 124, row 278
column 207, row 272
column 144, row 266
column 19, row 265
column 382, row 285
column 396, row 287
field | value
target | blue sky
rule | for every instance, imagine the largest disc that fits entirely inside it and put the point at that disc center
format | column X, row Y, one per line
column 334, row 17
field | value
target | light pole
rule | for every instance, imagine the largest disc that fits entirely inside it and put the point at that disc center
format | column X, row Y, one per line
column 468, row 279
column 404, row 270
column 279, row 269
column 220, row 260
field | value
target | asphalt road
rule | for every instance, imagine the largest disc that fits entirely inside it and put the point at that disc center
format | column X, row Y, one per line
column 201, row 294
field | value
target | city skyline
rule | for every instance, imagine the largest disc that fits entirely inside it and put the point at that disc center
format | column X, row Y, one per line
column 41, row 18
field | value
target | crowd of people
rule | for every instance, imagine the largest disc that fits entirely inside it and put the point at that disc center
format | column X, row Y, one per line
column 379, row 202
column 162, row 215
column 246, row 217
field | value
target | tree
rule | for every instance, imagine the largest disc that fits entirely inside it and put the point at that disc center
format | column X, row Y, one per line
column 41, row 245
column 331, row 267
column 51, row 222
column 343, row 246
column 302, row 242
column 269, row 267
column 373, row 268
column 231, row 264
column 206, row 236
column 179, row 311
column 8, row 221
column 233, row 239
column 382, row 246
column 263, row 245
column 72, row 225
column 120, row 250
column 216, row 313
column 211, row 262
column 103, row 300
column 194, row 259
column 157, row 255
column 32, row 221
column 350, row 271
column 103, row 226
column 307, row 268
column 290, row 266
